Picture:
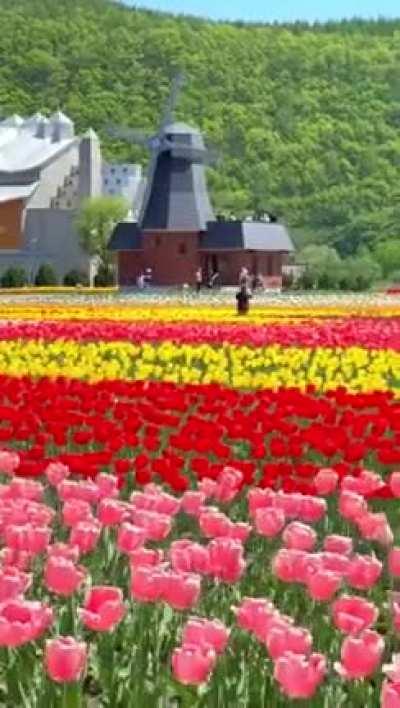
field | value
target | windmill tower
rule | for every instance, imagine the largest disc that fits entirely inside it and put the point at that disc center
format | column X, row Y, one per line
column 176, row 196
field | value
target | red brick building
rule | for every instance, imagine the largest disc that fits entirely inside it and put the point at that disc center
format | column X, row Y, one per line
column 177, row 231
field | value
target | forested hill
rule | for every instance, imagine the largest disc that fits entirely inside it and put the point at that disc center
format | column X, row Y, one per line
column 307, row 119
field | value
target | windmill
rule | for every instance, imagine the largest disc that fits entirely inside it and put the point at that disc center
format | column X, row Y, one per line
column 176, row 196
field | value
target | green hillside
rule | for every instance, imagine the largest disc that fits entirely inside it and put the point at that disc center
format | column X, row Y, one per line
column 307, row 119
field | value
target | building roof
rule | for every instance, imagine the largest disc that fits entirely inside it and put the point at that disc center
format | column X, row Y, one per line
column 31, row 143
column 10, row 192
column 126, row 237
column 246, row 235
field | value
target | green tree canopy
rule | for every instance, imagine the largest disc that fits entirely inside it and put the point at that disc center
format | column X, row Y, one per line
column 95, row 222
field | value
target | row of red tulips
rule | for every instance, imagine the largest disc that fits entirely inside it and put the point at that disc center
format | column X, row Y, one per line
column 370, row 333
column 163, row 432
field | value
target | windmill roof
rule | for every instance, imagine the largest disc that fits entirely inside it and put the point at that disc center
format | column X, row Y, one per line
column 178, row 128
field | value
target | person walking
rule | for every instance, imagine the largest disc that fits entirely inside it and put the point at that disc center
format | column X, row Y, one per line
column 199, row 279
column 243, row 300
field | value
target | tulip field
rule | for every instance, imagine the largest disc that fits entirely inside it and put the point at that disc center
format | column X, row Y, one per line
column 199, row 510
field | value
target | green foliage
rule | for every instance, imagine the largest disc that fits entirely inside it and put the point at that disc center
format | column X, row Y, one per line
column 95, row 222
column 46, row 275
column 75, row 277
column 306, row 119
column 359, row 273
column 14, row 277
column 388, row 256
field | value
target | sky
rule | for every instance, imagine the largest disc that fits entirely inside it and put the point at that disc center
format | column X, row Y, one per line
column 280, row 10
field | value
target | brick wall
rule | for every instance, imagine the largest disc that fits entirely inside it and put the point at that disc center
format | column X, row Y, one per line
column 173, row 256
column 231, row 262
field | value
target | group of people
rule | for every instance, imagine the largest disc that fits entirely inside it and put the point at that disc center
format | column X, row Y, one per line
column 144, row 279
column 211, row 282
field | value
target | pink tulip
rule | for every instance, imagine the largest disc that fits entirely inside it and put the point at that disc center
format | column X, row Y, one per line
column 240, row 531
column 103, row 609
column 130, row 537
column 85, row 535
column 64, row 550
column 366, row 483
column 335, row 562
column 181, row 590
column 394, row 483
column 299, row 676
column 375, row 527
column 193, row 665
column 338, row 544
column 61, row 576
column 22, row 488
column 21, row 560
column 193, row 502
column 84, row 490
column 312, row 509
column 146, row 556
column 260, row 499
column 33, row 539
column 323, row 584
column 390, row 695
column 281, row 640
column 363, row 572
column 9, row 461
column 111, row 512
column 107, row 485
column 392, row 670
column 146, row 583
column 394, row 562
column 269, row 522
column 207, row 486
column 166, row 504
column 206, row 633
column 213, row 523
column 253, row 614
column 360, row 656
column 325, row 481
column 226, row 559
column 290, row 565
column 189, row 557
column 157, row 526
column 353, row 615
column 299, row 536
column 396, row 610
column 228, row 485
column 351, row 505
column 65, row 659
column 76, row 510
column 56, row 472
column 291, row 504
column 13, row 582
column 23, row 621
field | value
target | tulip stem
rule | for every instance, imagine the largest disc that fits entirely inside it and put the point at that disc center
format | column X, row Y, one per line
column 72, row 695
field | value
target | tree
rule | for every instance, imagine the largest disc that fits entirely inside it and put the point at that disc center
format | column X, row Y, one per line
column 388, row 256
column 323, row 266
column 95, row 222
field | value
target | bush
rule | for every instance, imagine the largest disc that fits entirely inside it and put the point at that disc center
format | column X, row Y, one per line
column 104, row 277
column 76, row 277
column 287, row 281
column 14, row 277
column 359, row 273
column 46, row 275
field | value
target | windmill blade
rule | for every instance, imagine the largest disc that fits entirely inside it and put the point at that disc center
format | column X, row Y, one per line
column 168, row 115
column 130, row 135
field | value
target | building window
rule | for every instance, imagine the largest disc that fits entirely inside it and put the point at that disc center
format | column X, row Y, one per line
column 106, row 181
column 182, row 249
column 158, row 241
column 112, row 170
column 118, row 181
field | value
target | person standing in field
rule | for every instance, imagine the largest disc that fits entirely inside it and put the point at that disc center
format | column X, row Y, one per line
column 199, row 279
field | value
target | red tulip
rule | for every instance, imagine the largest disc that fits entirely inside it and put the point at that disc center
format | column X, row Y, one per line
column 65, row 659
